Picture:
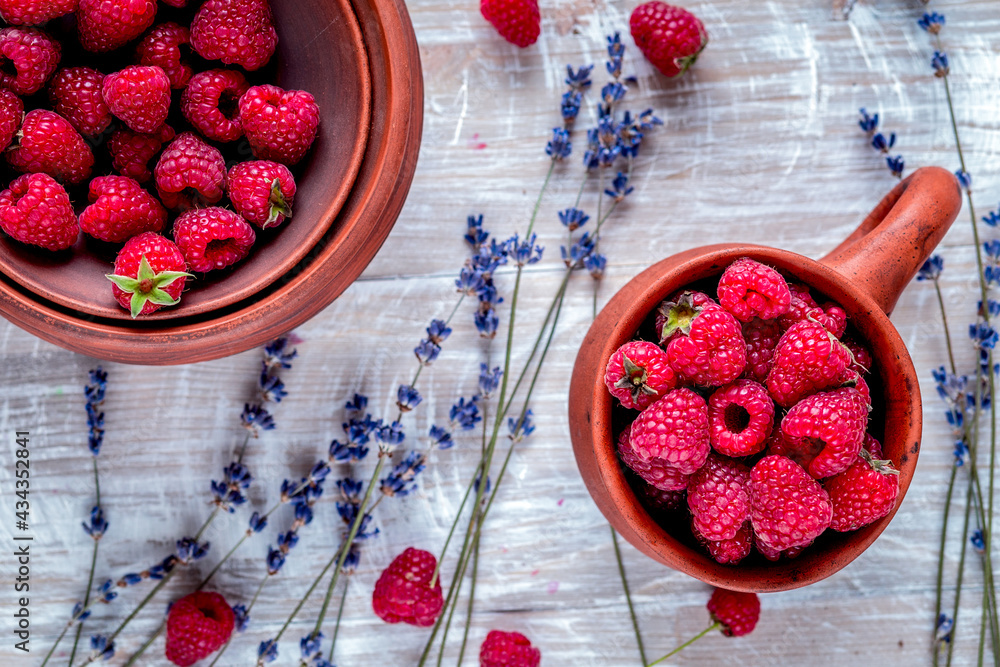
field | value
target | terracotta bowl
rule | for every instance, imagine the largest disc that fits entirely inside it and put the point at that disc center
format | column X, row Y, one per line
column 361, row 62
column 866, row 275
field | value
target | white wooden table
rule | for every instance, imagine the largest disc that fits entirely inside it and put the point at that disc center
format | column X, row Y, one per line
column 760, row 145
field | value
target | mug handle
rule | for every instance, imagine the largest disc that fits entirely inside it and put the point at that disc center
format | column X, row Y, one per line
column 887, row 249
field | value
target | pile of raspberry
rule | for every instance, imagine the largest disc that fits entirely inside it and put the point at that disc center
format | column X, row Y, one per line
column 144, row 126
column 752, row 422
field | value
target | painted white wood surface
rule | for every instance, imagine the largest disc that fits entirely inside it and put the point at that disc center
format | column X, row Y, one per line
column 760, row 145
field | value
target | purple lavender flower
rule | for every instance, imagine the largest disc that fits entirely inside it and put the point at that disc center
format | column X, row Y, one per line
column 868, row 123
column 573, row 218
column 267, row 651
column 401, row 480
column 489, row 380
column 256, row 419
column 407, row 398
column 992, row 218
column 559, row 146
column 931, row 268
column 521, row 428
column 97, row 525
column 241, row 618
column 440, row 438
column 277, row 354
column 464, row 414
column 101, row 648
column 940, row 64
column 932, row 22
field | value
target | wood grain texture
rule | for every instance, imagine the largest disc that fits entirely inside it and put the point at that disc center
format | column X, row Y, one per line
column 760, row 146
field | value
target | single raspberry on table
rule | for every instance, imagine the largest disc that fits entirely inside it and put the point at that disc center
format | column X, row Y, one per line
column 404, row 591
column 280, row 124
column 131, row 151
column 161, row 47
column 654, row 471
column 731, row 551
column 212, row 238
column 149, row 273
column 262, row 192
column 740, row 417
column 508, row 649
column 749, row 289
column 737, row 612
column 517, row 21
column 864, row 493
column 718, row 498
column 673, row 430
column 197, row 626
column 139, row 96
column 237, row 32
column 710, row 350
column 189, row 173
column 681, row 308
column 34, row 12
column 823, row 432
column 49, row 144
column 75, row 93
column 36, row 210
column 11, row 115
column 31, row 54
column 120, row 208
column 762, row 338
column 211, row 103
column 670, row 37
column 637, row 374
column 788, row 508
column 808, row 359
column 105, row 25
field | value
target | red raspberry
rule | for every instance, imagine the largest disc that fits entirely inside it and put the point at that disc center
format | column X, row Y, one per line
column 638, row 374
column 262, row 192
column 804, row 307
column 767, row 552
column 666, row 501
column 35, row 209
column 11, row 114
column 653, row 470
column 149, row 273
column 120, row 208
column 749, row 289
column 712, row 352
column 31, row 54
column 190, row 172
column 861, row 358
column 737, row 612
column 198, row 625
column 508, row 649
column 681, row 308
column 139, row 96
column 280, row 125
column 762, row 338
column 823, row 432
column 404, row 591
column 740, row 416
column 212, row 238
column 873, row 446
column 808, row 359
column 211, row 103
column 864, row 493
column 237, row 32
column 788, row 508
column 75, row 93
column 517, row 21
column 852, row 378
column 131, row 151
column 731, row 551
column 49, row 144
column 674, row 430
column 718, row 499
column 670, row 37
column 833, row 317
column 105, row 25
column 161, row 47
column 34, row 12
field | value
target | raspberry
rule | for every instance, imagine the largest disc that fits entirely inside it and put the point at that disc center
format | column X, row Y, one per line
column 638, row 374
column 711, row 352
column 873, row 446
column 212, row 238
column 666, row 501
column 737, row 612
column 717, row 497
column 749, row 289
column 105, row 25
column 656, row 472
column 190, row 172
column 788, row 508
column 762, row 338
column 864, row 493
column 11, row 114
column 35, row 209
column 404, row 592
column 852, row 378
column 280, row 125
column 803, row 307
column 767, row 552
column 508, row 649
column 517, row 21
column 149, row 273
column 34, row 12
column 237, row 32
column 33, row 56
column 75, row 93
column 808, row 359
column 731, row 551
column 131, row 151
column 49, row 144
column 162, row 47
column 740, row 416
column 681, row 308
column 670, row 37
column 210, row 103
column 139, row 96
column 120, row 208
column 198, row 625
column 262, row 192
column 674, row 431
column 862, row 361
column 824, row 432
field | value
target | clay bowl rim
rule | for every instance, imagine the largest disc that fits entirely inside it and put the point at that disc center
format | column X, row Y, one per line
column 591, row 428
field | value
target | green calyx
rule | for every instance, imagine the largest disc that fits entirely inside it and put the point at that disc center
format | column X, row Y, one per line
column 279, row 205
column 678, row 315
column 147, row 286
column 634, row 379
column 684, row 63
column 883, row 466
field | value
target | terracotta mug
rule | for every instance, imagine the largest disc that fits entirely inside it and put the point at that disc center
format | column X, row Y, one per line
column 865, row 274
